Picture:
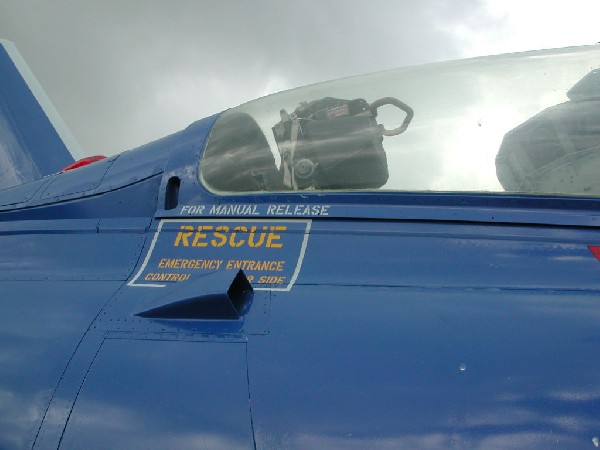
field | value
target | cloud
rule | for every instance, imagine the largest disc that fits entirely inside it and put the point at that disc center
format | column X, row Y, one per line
column 117, row 71
column 114, row 70
column 517, row 25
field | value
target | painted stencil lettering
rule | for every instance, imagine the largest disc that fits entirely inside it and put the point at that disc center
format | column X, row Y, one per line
column 270, row 252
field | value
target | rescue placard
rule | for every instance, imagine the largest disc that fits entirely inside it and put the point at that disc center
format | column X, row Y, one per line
column 270, row 252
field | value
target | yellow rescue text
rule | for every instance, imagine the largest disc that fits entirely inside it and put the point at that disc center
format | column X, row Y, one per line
column 223, row 235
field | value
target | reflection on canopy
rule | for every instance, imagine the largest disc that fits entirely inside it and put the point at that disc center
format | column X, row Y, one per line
column 492, row 124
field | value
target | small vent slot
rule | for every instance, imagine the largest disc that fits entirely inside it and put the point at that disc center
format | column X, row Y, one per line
column 172, row 193
column 240, row 293
column 220, row 306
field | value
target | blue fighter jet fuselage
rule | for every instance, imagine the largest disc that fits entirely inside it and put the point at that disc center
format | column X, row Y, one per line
column 315, row 270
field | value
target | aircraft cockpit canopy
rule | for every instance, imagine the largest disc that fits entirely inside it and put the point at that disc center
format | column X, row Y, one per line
column 522, row 123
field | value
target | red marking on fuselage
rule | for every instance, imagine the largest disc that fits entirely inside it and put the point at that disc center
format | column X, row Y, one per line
column 595, row 249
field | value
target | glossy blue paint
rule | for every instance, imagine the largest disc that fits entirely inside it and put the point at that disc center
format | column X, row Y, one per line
column 59, row 408
column 66, row 250
column 19, row 195
column 135, row 200
column 41, row 324
column 435, row 255
column 143, row 394
column 31, row 143
column 56, row 276
column 430, row 336
column 68, row 184
column 381, row 367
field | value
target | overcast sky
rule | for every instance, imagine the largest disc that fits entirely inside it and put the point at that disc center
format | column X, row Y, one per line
column 124, row 72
